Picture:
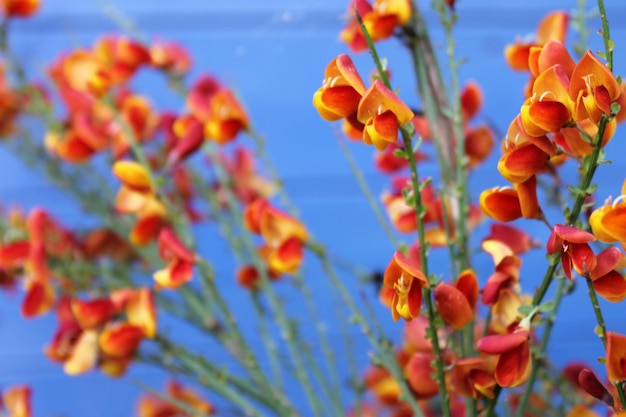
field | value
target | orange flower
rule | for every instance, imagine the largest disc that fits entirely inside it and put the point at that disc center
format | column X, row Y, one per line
column 92, row 313
column 16, row 401
column 452, row 303
column 573, row 244
column 551, row 27
column 247, row 184
column 19, row 8
column 139, row 307
column 170, row 57
column 137, row 196
column 151, row 406
column 382, row 113
column 86, row 73
column 501, row 204
column 341, row 91
column 380, row 20
column 514, row 360
column 589, row 382
column 180, row 268
column 594, row 88
column 122, row 55
column 284, row 235
column 406, row 279
column 473, row 377
column 607, row 280
column 227, row 119
column 419, row 372
column 608, row 223
column 615, row 356
column 549, row 108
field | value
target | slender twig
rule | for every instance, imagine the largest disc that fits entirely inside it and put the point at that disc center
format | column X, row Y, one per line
column 374, row 205
column 606, row 36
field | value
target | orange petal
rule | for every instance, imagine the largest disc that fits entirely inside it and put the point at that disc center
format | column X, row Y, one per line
column 16, row 401
column 501, row 204
column 84, row 355
column 174, row 275
column 146, row 229
column 552, row 53
column 453, row 306
column 613, row 222
column 573, row 234
column 170, row 247
column 120, row 339
column 471, row 100
column 615, row 357
column 93, row 313
column 133, row 175
column 287, row 257
column 497, row 344
column 590, row 72
column 467, row 283
column 517, row 55
column 419, row 373
column 478, row 144
column 141, row 311
column 276, row 226
column 553, row 27
column 378, row 99
column 19, row 8
column 527, row 193
column 608, row 260
column 611, row 286
column 381, row 130
column 513, row 367
column 38, row 300
column 400, row 264
column 521, row 163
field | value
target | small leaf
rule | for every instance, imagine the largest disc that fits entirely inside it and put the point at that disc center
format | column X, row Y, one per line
column 525, row 309
column 611, row 44
column 602, row 360
column 400, row 153
column 546, row 307
column 598, row 331
column 615, row 107
column 591, row 189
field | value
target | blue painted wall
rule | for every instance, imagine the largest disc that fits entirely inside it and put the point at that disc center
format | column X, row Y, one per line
column 273, row 53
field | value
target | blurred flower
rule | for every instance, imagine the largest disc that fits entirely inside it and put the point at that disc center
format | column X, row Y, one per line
column 180, row 260
column 16, row 401
column 514, row 360
column 153, row 406
column 19, row 8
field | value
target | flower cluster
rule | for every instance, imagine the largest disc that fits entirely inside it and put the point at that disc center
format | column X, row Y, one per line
column 283, row 236
column 102, row 332
column 375, row 111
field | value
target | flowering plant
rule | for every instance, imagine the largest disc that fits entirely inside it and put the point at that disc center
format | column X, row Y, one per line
column 166, row 188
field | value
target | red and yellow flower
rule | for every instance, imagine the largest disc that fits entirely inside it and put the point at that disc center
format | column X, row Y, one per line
column 382, row 113
column 406, row 279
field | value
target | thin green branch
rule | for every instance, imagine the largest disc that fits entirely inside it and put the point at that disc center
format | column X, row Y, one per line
column 606, row 36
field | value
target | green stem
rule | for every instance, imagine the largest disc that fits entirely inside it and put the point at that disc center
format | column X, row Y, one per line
column 418, row 208
column 286, row 326
column 539, row 357
column 606, row 36
column 358, row 174
column 381, row 346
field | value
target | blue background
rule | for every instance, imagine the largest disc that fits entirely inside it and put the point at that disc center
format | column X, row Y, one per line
column 273, row 53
